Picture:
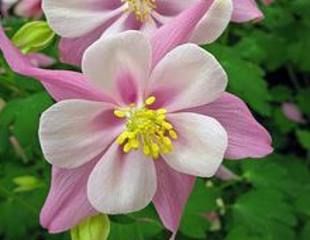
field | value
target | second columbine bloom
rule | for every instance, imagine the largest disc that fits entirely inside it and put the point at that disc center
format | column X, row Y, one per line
column 145, row 121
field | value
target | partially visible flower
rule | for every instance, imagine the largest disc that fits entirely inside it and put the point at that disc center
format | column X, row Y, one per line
column 6, row 5
column 29, row 9
column 80, row 22
column 292, row 112
column 23, row 8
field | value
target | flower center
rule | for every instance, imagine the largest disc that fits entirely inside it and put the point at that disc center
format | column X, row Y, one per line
column 147, row 129
column 141, row 8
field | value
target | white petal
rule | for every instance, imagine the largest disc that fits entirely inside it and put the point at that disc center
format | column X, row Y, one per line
column 201, row 145
column 191, row 77
column 214, row 23
column 122, row 183
column 73, row 132
column 109, row 58
column 74, row 18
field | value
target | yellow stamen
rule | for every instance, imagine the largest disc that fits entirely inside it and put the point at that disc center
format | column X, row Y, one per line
column 120, row 113
column 149, row 101
column 147, row 129
column 141, row 8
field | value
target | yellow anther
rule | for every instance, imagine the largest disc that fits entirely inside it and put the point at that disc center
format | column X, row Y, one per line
column 167, row 125
column 119, row 113
column 134, row 143
column 167, row 141
column 146, row 150
column 173, row 134
column 127, row 147
column 161, row 111
column 151, row 100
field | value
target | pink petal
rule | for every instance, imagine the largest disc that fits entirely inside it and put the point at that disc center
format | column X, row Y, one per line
column 246, row 137
column 40, row 60
column 246, row 10
column 73, row 132
column 200, row 147
column 225, row 174
column 71, row 49
column 119, row 56
column 178, row 31
column 214, row 23
column 193, row 75
column 67, row 204
column 122, row 183
column 60, row 84
column 292, row 112
column 173, row 191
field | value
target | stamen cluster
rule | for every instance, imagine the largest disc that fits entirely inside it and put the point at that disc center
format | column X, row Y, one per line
column 141, row 8
column 146, row 128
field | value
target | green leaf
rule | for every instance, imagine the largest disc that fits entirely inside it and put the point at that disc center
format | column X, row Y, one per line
column 303, row 99
column 304, row 138
column 305, row 232
column 202, row 201
column 245, row 78
column 263, row 211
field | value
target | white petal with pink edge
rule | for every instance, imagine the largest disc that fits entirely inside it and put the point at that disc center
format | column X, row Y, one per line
column 189, row 76
column 122, row 183
column 200, row 147
column 126, row 53
column 74, row 18
column 214, row 23
column 73, row 132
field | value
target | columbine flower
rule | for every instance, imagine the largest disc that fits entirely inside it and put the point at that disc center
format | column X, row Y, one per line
column 157, row 118
column 80, row 22
column 149, row 119
column 67, row 203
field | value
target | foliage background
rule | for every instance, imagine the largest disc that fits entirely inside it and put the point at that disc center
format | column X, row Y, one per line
column 268, row 63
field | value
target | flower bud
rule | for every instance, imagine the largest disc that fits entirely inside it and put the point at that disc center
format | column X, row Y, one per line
column 93, row 228
column 33, row 37
column 26, row 183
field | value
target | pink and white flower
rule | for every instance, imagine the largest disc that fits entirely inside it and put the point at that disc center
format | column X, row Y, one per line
column 148, row 119
column 67, row 203
column 80, row 22
column 157, row 117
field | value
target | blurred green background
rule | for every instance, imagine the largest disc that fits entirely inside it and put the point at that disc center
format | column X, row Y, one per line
column 268, row 64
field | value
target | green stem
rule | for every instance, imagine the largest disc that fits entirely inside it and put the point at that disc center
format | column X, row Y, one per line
column 293, row 77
